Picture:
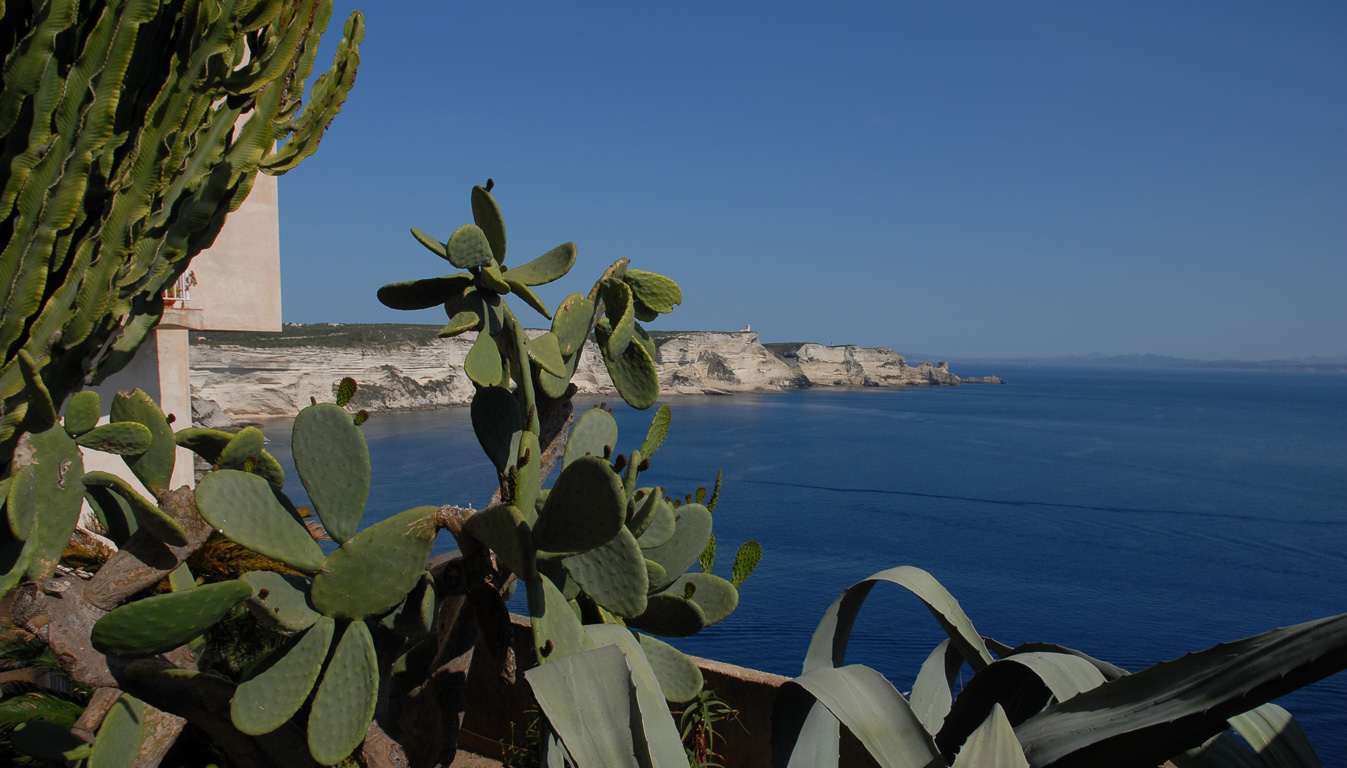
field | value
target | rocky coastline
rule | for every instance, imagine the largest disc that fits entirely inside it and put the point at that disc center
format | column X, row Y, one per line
column 234, row 382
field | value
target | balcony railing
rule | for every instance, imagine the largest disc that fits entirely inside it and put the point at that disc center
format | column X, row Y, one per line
column 179, row 295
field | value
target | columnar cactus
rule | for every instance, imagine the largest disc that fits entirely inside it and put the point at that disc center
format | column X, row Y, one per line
column 130, row 130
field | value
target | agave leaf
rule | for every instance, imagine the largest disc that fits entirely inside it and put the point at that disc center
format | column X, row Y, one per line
column 1275, row 736
column 933, row 691
column 1167, row 708
column 660, row 732
column 992, row 745
column 589, row 700
column 864, row 701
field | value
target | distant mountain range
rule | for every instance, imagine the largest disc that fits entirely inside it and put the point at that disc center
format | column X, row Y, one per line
column 1305, row 364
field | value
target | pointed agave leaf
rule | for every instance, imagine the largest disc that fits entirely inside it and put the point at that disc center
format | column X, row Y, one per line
column 83, row 412
column 933, row 691
column 589, row 699
column 659, row 429
column 431, row 244
column 118, row 742
column 992, row 745
column 373, row 571
column 745, row 561
column 486, row 214
column 1274, row 735
column 1168, row 707
column 483, row 364
column 243, row 507
column 271, row 697
column 468, row 247
column 124, row 438
column 548, row 267
column 332, row 459
column 344, row 704
column 858, row 697
column 660, row 733
column 423, row 294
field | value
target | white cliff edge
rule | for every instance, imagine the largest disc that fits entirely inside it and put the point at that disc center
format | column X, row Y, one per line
column 231, row 383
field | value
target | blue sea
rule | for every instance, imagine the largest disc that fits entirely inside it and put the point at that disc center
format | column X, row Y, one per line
column 1135, row 515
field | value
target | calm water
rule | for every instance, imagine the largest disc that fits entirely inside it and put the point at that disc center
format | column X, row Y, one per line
column 1135, row 515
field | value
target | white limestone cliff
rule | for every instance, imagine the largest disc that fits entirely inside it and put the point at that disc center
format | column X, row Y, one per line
column 231, row 382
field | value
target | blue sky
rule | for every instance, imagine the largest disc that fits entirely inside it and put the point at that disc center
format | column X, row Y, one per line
column 962, row 179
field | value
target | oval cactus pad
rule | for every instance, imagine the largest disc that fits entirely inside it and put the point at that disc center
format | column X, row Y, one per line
column 374, row 571
column 164, row 622
column 584, row 509
column 692, row 529
column 344, row 705
column 268, row 700
column 243, row 508
column 333, row 463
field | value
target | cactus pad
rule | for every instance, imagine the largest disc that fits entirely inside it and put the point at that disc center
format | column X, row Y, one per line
column 716, row 597
column 58, row 495
column 83, row 412
column 241, row 447
column 415, row 617
column 670, row 616
column 633, row 371
column 154, row 467
column 423, row 294
column 679, row 677
column 280, row 600
column 656, row 292
column 486, row 214
column 553, row 569
column 344, row 704
column 502, row 528
column 556, row 629
column 655, row 573
column 707, row 559
column 148, row 514
column 691, row 532
column 433, row 245
column 548, row 267
column 114, row 512
column 659, row 429
column 461, row 322
column 483, row 364
column 243, row 508
column 118, row 741
column 614, row 574
column 204, row 442
column 545, row 351
column 750, row 553
column 584, row 509
column 496, row 419
column 492, row 280
column 594, row 433
column 618, row 308
column 660, row 527
column 21, row 502
column 643, row 504
column 374, row 570
column 270, row 698
column 124, row 438
column 468, row 247
column 528, row 479
column 333, row 463
column 163, row 622
column 571, row 323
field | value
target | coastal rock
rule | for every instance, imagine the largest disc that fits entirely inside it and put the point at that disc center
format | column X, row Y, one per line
column 984, row 380
column 232, row 382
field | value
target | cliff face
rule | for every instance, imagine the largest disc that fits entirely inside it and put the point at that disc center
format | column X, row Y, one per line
column 233, row 382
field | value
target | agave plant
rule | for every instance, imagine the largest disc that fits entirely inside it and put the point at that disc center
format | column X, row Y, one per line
column 1045, row 705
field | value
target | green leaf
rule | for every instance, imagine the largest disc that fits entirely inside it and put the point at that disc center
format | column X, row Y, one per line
column 486, row 214
column 745, row 561
column 992, row 745
column 423, row 294
column 431, row 244
column 657, row 292
column 589, row 699
column 659, row 429
column 483, row 364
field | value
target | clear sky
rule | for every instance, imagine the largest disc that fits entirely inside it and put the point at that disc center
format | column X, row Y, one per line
column 962, row 179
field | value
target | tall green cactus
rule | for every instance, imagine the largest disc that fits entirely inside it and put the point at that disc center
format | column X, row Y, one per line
column 130, row 130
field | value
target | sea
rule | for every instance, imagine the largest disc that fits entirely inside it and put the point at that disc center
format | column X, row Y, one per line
column 1135, row 515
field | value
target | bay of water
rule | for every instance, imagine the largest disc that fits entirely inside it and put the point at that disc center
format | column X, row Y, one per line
column 1133, row 514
